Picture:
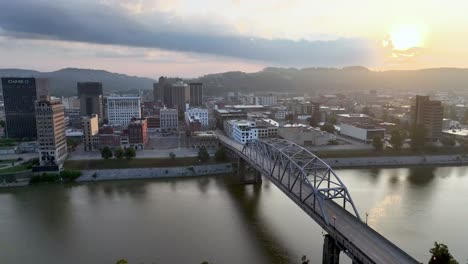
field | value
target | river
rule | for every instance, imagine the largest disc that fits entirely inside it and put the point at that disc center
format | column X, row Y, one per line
column 218, row 220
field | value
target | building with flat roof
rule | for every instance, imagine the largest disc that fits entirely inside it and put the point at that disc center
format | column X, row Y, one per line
column 138, row 133
column 19, row 96
column 207, row 139
column 222, row 115
column 91, row 99
column 362, row 132
column 196, row 94
column 429, row 113
column 51, row 134
column 241, row 130
column 305, row 136
column 90, row 126
column 169, row 119
column 121, row 109
column 197, row 114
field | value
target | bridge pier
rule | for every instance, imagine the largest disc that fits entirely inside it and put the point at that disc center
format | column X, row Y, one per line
column 245, row 173
column 331, row 252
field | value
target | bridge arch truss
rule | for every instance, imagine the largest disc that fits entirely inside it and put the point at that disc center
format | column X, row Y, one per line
column 306, row 176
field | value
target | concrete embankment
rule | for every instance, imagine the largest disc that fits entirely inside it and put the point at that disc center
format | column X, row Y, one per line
column 398, row 161
column 154, row 173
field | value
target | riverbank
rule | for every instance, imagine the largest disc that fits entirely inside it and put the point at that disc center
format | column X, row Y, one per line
column 154, row 173
column 397, row 161
column 137, row 163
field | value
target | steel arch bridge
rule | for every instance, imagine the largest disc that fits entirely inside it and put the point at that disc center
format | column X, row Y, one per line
column 318, row 191
column 301, row 172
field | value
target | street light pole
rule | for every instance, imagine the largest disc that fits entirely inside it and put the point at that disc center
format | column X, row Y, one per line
column 367, row 215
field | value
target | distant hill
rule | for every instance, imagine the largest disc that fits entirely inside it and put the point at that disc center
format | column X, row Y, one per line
column 356, row 78
column 63, row 82
column 292, row 80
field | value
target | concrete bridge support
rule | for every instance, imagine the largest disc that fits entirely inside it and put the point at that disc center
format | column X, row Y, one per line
column 331, row 251
column 247, row 174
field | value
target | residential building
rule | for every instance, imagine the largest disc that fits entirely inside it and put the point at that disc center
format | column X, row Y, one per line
column 241, row 131
column 121, row 109
column 137, row 133
column 196, row 94
column 19, row 96
column 361, row 132
column 197, row 115
column 91, row 99
column 169, row 119
column 430, row 114
column 90, row 126
column 51, row 134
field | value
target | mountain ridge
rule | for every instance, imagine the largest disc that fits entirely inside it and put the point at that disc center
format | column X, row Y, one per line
column 312, row 80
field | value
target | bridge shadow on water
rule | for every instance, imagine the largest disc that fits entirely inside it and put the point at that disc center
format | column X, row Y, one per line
column 247, row 199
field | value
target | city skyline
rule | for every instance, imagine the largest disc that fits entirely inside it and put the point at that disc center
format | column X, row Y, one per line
column 149, row 38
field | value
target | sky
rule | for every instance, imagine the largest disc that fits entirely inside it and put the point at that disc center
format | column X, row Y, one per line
column 190, row 38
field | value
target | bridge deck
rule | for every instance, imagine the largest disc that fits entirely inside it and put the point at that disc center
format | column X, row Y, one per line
column 346, row 228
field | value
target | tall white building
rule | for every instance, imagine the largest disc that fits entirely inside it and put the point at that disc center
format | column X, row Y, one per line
column 121, row 110
column 199, row 114
column 169, row 119
column 241, row 130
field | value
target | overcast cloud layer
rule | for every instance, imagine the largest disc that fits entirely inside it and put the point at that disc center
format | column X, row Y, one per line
column 90, row 22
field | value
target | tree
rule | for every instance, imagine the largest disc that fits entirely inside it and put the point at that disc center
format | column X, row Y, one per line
column 465, row 117
column 377, row 143
column 418, row 137
column 220, row 154
column 172, row 155
column 130, row 153
column 119, row 153
column 106, row 153
column 396, row 139
column 441, row 255
column 289, row 118
column 312, row 122
column 448, row 141
column 328, row 127
column 122, row 261
column 203, row 154
column 332, row 119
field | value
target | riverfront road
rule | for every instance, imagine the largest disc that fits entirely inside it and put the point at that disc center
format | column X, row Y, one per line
column 356, row 239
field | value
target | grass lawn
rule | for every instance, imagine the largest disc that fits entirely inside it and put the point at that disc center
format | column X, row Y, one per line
column 391, row 152
column 134, row 163
column 22, row 167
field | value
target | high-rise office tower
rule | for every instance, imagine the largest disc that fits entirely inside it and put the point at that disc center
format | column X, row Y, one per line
column 430, row 114
column 178, row 93
column 51, row 133
column 19, row 96
column 196, row 94
column 158, row 90
column 91, row 100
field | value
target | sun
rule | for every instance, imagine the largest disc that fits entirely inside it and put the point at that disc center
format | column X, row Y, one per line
column 407, row 36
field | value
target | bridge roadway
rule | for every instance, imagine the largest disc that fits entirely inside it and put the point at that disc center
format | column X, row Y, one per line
column 356, row 239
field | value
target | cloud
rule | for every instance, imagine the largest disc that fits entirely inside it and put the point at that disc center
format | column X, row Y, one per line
column 101, row 23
